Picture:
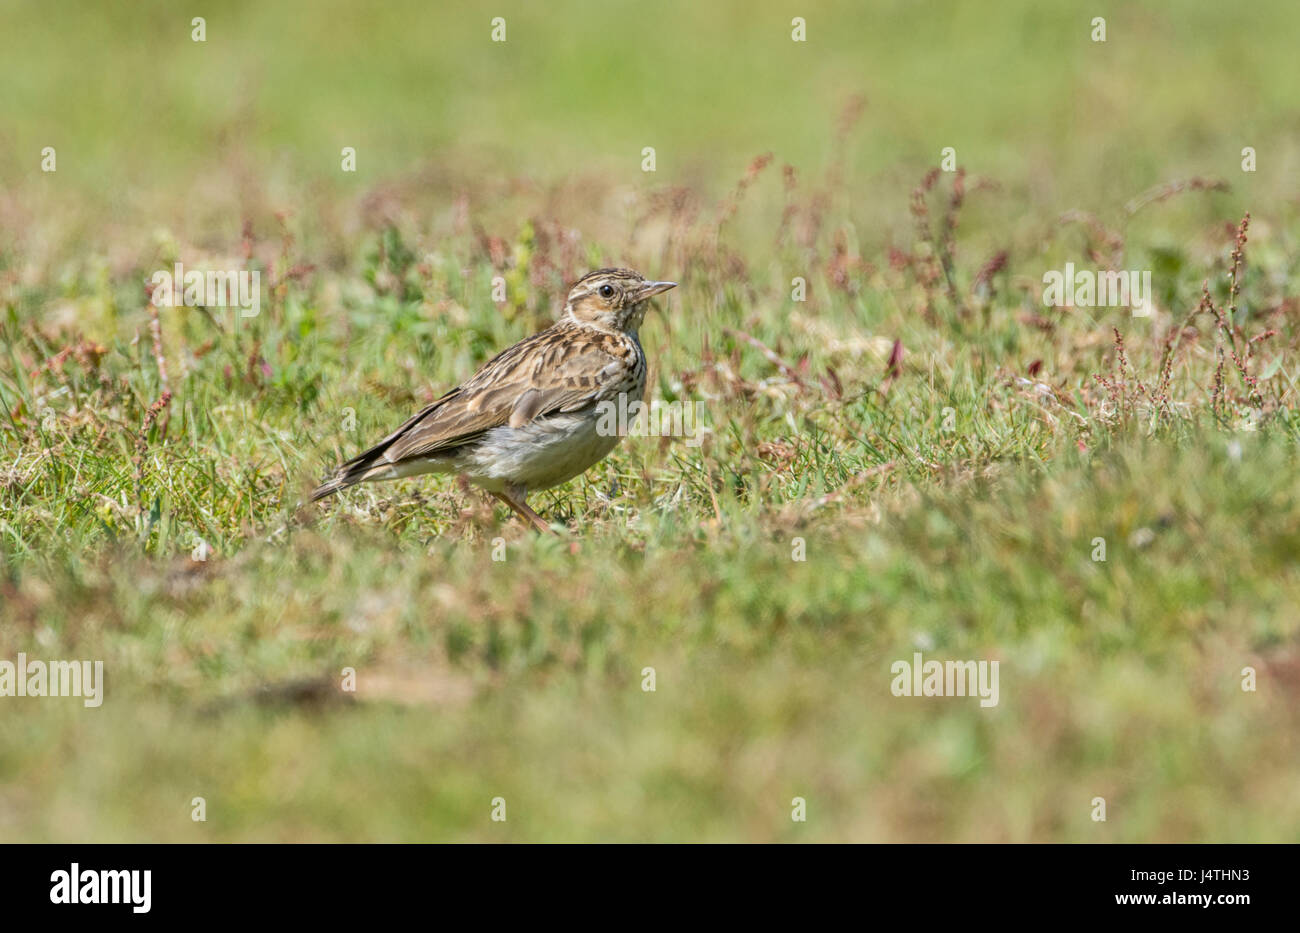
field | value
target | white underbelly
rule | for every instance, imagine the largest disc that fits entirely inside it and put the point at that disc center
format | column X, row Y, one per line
column 538, row 455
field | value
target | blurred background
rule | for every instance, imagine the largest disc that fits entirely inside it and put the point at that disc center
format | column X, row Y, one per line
column 152, row 128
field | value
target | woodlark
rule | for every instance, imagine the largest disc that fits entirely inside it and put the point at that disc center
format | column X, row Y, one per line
column 529, row 418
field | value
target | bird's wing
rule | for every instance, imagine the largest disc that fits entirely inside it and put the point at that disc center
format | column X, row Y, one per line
column 557, row 370
column 546, row 374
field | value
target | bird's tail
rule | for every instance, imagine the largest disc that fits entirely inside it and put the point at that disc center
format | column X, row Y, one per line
column 328, row 488
column 359, row 469
column 375, row 464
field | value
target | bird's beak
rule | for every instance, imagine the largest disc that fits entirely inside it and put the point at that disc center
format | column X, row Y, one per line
column 650, row 289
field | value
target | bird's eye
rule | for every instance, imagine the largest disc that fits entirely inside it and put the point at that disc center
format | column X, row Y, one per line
column 607, row 291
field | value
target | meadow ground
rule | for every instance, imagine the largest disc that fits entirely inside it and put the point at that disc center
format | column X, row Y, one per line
column 908, row 452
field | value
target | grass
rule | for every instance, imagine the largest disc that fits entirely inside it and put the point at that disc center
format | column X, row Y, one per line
column 946, row 453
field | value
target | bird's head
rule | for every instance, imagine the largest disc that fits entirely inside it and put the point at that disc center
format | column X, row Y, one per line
column 612, row 299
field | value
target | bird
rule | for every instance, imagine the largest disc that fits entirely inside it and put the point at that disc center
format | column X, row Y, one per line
column 531, row 417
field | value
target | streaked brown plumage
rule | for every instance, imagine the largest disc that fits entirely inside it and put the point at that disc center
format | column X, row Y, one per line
column 527, row 419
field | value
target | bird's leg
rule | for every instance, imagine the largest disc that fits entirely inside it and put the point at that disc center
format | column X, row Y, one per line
column 520, row 507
